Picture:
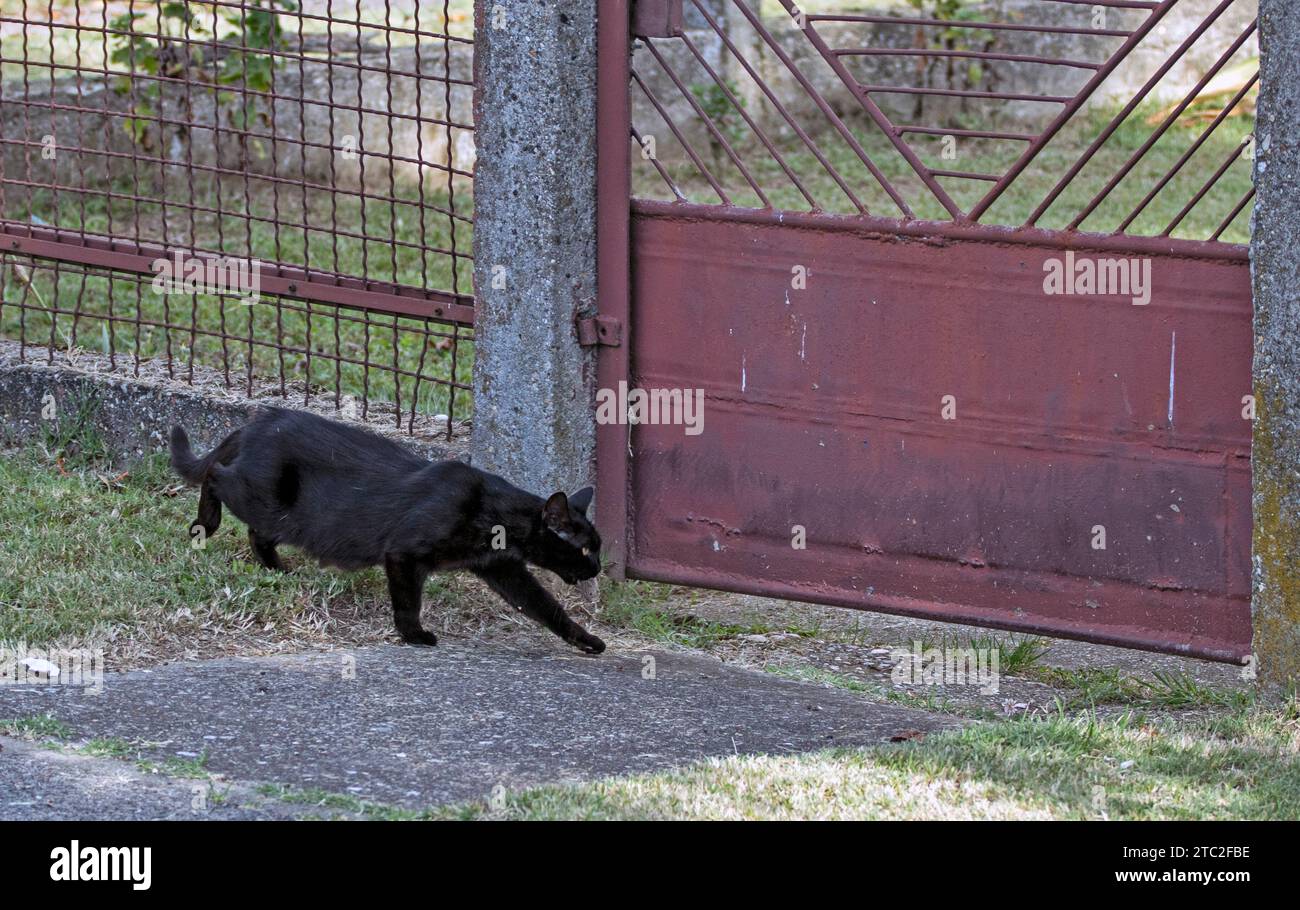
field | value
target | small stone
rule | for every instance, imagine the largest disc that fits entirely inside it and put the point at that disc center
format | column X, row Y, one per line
column 40, row 667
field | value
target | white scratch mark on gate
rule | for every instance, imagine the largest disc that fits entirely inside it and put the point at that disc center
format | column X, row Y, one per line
column 1173, row 351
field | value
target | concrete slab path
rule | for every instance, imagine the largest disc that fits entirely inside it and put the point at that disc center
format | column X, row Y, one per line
column 415, row 728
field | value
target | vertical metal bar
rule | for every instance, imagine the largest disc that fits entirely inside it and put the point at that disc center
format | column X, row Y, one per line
column 54, row 182
column 191, row 237
column 276, row 220
column 613, row 278
column 392, row 206
column 163, row 195
column 219, row 218
column 361, row 192
column 451, row 386
column 424, row 238
column 246, row 202
column 135, row 196
column 451, row 198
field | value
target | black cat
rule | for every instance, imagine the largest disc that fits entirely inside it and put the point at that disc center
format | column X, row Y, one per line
column 354, row 499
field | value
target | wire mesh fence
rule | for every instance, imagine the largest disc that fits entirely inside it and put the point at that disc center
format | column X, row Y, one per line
column 280, row 193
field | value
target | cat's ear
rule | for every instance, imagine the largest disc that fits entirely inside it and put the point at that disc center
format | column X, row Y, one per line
column 556, row 512
column 581, row 499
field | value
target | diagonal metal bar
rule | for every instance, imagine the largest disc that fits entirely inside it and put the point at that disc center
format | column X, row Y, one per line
column 682, row 140
column 963, row 54
column 1169, row 121
column 965, row 175
column 1187, row 155
column 825, row 108
column 1232, row 216
column 876, row 114
column 1128, row 108
column 1205, row 188
column 708, row 122
column 975, row 26
column 781, row 109
column 754, row 127
column 1121, row 54
column 976, row 134
column 667, row 178
column 881, row 89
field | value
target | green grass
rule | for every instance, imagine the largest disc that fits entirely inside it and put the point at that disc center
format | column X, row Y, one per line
column 91, row 555
column 109, row 747
column 934, row 702
column 1242, row 765
column 808, row 673
column 655, row 611
column 1016, row 654
column 342, row 802
column 1091, row 687
column 41, row 726
column 195, row 768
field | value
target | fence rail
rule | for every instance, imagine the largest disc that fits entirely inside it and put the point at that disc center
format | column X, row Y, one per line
column 322, row 154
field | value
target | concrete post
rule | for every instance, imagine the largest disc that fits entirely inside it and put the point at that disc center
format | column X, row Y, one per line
column 535, row 241
column 1275, row 264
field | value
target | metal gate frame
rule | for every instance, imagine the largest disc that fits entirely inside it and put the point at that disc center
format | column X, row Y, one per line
column 1219, row 630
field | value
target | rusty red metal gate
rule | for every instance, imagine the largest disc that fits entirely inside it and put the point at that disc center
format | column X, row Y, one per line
column 909, row 411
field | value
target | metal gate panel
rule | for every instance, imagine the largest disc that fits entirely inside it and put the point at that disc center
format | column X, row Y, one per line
column 922, row 428
column 824, row 412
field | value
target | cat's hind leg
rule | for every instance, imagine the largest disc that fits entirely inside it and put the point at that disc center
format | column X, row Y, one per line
column 264, row 551
column 405, row 587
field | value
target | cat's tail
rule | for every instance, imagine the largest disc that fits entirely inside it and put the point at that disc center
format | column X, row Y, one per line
column 190, row 467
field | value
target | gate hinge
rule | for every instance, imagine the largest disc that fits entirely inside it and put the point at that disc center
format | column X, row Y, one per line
column 600, row 330
column 656, row 18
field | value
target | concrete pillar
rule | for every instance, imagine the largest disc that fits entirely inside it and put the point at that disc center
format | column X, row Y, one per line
column 1275, row 265
column 535, row 241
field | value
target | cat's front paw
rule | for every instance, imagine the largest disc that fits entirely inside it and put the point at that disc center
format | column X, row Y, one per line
column 587, row 642
column 418, row 636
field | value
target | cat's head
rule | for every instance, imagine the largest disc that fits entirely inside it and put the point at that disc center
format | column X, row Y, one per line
column 566, row 542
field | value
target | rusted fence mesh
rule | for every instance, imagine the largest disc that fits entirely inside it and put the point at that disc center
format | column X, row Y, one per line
column 273, row 195
column 1108, row 116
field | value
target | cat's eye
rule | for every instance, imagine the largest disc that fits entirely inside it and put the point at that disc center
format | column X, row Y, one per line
column 586, row 551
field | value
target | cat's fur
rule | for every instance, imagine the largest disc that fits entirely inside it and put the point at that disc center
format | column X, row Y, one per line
column 354, row 499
